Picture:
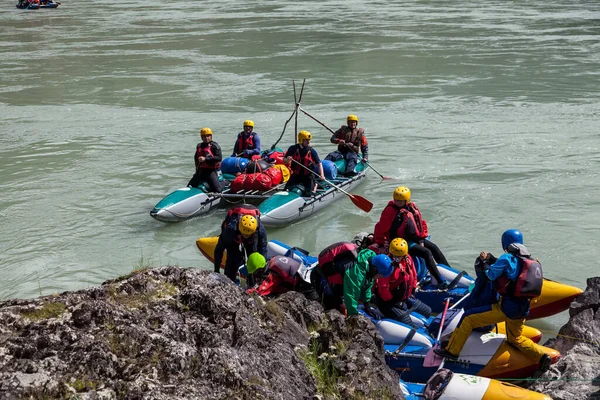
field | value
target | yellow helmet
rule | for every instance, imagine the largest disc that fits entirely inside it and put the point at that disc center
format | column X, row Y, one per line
column 398, row 247
column 247, row 225
column 352, row 117
column 402, row 193
column 302, row 135
column 205, row 132
column 248, row 123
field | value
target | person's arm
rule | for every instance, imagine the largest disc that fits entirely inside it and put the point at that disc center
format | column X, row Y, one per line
column 367, row 291
column 217, row 155
column 270, row 285
column 219, row 249
column 337, row 136
column 256, row 149
column 383, row 289
column 262, row 240
column 351, row 291
column 364, row 148
column 383, row 226
column 505, row 264
column 236, row 150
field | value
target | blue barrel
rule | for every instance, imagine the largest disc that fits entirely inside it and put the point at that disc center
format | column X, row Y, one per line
column 329, row 169
column 233, row 165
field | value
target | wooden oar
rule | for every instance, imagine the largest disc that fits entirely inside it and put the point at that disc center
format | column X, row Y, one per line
column 330, row 130
column 358, row 201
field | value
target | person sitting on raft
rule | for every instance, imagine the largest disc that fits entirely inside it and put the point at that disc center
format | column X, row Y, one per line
column 301, row 159
column 247, row 143
column 208, row 161
column 394, row 294
column 402, row 218
column 350, row 140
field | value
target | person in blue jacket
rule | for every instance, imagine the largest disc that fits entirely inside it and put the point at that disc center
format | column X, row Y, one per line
column 247, row 143
column 241, row 236
column 514, row 305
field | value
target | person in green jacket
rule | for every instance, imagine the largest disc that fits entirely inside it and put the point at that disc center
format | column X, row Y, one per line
column 358, row 281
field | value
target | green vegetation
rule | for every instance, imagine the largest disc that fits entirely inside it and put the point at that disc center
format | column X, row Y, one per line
column 46, row 311
column 322, row 369
column 161, row 290
column 276, row 311
column 83, row 385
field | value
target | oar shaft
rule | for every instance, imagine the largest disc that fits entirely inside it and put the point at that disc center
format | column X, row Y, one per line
column 314, row 173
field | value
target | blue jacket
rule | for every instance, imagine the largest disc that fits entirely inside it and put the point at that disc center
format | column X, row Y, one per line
column 512, row 307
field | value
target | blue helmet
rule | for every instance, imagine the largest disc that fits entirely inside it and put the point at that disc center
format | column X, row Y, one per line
column 511, row 236
column 383, row 264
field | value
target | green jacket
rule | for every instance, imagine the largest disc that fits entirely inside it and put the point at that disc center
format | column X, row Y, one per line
column 356, row 284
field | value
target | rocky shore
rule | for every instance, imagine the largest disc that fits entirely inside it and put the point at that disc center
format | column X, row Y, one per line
column 184, row 333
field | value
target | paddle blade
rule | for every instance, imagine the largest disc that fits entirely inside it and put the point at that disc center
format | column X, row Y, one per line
column 432, row 359
column 361, row 202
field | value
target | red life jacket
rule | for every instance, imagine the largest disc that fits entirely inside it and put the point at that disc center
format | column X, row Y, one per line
column 282, row 276
column 350, row 136
column 285, row 267
column 307, row 161
column 333, row 253
column 242, row 144
column 528, row 283
column 237, row 212
column 406, row 215
column 203, row 152
column 401, row 284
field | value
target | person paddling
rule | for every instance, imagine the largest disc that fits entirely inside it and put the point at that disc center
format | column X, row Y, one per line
column 350, row 140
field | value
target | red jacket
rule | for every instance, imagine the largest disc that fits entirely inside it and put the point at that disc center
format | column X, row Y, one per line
column 400, row 285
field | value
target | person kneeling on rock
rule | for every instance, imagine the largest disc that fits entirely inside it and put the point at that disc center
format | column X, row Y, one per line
column 279, row 276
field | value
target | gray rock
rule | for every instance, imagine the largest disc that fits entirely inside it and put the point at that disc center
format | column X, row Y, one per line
column 184, row 333
column 577, row 374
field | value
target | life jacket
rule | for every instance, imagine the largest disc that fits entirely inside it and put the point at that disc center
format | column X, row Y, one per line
column 242, row 144
column 406, row 215
column 528, row 283
column 285, row 267
column 203, row 152
column 307, row 161
column 335, row 259
column 236, row 213
column 350, row 136
column 407, row 277
column 400, row 285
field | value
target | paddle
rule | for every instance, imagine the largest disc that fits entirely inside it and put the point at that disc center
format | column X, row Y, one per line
column 330, row 130
column 358, row 201
column 432, row 359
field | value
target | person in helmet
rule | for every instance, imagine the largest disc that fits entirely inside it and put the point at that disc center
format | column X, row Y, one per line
column 241, row 235
column 208, row 161
column 358, row 281
column 402, row 218
column 394, row 294
column 351, row 141
column 278, row 276
column 247, row 143
column 302, row 160
column 506, row 272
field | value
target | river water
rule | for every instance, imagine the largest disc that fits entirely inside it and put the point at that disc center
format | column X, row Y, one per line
column 488, row 111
